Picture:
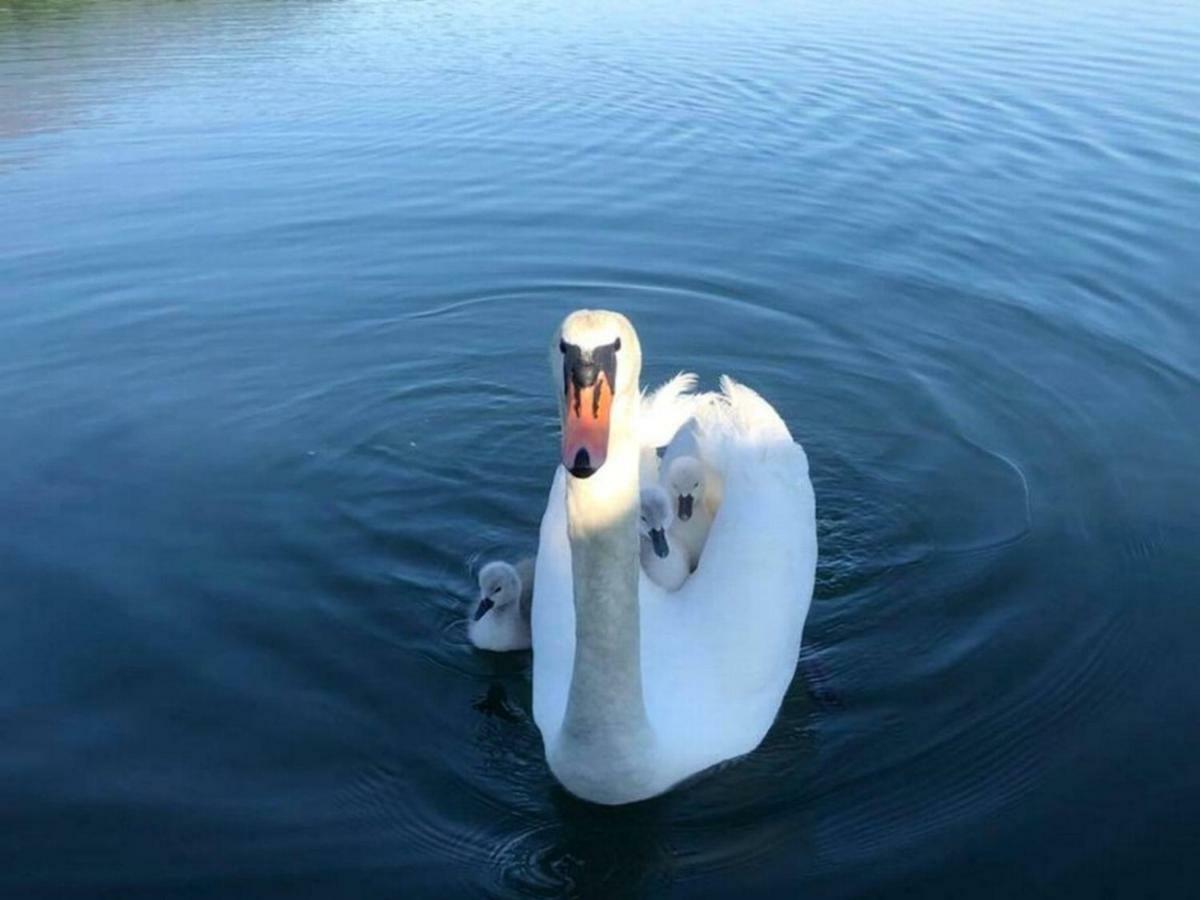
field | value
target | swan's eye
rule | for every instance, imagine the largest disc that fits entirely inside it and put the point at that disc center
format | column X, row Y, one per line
column 562, row 346
column 617, row 344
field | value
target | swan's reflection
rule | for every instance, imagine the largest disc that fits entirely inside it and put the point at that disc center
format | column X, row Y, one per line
column 583, row 850
column 495, row 704
column 555, row 845
column 93, row 57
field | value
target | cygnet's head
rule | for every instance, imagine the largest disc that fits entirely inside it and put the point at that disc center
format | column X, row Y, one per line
column 685, row 478
column 499, row 585
column 655, row 518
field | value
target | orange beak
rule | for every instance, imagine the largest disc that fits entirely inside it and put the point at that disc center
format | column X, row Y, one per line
column 585, row 426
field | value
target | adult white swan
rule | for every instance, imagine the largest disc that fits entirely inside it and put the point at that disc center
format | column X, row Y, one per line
column 636, row 688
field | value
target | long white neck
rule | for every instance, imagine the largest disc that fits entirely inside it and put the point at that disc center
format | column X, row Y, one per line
column 606, row 744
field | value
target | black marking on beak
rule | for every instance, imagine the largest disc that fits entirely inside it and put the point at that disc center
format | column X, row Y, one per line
column 482, row 609
column 581, row 369
column 582, row 465
column 658, row 540
column 685, row 507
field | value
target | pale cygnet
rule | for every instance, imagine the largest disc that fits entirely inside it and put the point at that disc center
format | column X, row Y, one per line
column 665, row 564
column 500, row 618
column 685, row 481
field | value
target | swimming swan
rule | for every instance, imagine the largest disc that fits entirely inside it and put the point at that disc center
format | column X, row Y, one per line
column 500, row 617
column 635, row 688
column 663, row 560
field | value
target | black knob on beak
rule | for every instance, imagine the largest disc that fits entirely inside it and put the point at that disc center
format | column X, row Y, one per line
column 584, row 373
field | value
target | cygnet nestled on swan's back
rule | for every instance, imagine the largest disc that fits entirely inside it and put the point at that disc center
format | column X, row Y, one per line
column 500, row 618
column 665, row 563
column 687, row 486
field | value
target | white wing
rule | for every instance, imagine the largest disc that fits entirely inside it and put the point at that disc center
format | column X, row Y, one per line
column 664, row 411
column 661, row 415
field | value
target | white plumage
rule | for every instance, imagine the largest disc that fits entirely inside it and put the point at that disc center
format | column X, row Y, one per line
column 500, row 614
column 717, row 655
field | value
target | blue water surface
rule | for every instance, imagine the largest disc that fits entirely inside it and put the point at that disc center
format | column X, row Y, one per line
column 276, row 286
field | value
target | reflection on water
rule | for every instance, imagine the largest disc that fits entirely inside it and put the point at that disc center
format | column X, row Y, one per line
column 277, row 289
column 62, row 62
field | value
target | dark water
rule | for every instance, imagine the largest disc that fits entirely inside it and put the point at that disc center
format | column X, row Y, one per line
column 276, row 281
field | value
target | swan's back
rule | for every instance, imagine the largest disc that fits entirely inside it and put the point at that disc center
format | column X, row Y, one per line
column 719, row 653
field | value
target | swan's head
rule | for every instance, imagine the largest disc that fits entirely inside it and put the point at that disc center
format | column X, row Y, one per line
column 655, row 518
column 596, row 361
column 685, row 478
column 499, row 585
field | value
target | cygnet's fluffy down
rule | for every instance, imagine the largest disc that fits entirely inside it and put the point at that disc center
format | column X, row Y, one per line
column 666, row 564
column 500, row 616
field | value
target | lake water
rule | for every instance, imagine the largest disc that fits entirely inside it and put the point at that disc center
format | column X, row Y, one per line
column 276, row 285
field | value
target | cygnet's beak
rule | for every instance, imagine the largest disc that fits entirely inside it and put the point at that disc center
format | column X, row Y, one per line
column 658, row 540
column 485, row 603
column 685, row 507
